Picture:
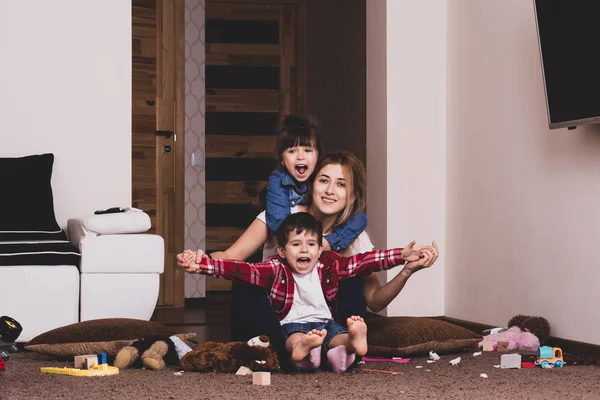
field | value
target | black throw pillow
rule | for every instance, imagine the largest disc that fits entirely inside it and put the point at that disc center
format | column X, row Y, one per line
column 26, row 203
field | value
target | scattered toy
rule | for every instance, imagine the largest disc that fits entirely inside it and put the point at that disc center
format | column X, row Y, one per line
column 261, row 378
column 483, row 375
column 433, row 356
column 510, row 361
column 527, row 365
column 476, row 354
column 549, row 357
column 98, row 370
column 244, row 371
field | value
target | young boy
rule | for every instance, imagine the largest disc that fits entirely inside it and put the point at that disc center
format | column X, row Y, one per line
column 298, row 149
column 302, row 282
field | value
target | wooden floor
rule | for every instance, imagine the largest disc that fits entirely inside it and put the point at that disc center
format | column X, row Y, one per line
column 209, row 317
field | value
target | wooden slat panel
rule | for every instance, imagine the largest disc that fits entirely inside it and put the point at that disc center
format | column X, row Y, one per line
column 222, row 238
column 241, row 123
column 230, row 215
column 236, row 192
column 238, row 146
column 239, row 169
column 287, row 82
column 239, row 49
column 258, row 61
column 254, row 12
column 242, row 77
column 242, row 100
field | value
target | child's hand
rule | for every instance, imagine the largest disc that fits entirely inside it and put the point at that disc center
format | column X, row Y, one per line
column 199, row 255
column 410, row 252
column 429, row 255
column 186, row 260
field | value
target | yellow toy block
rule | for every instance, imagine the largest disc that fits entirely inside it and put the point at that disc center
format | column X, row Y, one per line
column 98, row 370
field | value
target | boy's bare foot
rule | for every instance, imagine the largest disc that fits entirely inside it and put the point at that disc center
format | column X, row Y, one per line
column 357, row 335
column 309, row 341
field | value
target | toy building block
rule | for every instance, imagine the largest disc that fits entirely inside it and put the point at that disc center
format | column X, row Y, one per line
column 261, row 378
column 244, row 371
column 510, row 361
column 101, row 358
column 488, row 345
column 85, row 362
column 502, row 347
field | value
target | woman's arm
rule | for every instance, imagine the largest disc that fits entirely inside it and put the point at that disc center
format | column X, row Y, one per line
column 247, row 244
column 379, row 297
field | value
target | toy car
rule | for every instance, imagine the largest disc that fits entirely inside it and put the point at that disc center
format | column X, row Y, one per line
column 549, row 357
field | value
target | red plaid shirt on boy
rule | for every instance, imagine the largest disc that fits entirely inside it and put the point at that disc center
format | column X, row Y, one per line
column 275, row 276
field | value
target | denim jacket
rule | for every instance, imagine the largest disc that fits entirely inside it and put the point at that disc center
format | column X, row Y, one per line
column 283, row 193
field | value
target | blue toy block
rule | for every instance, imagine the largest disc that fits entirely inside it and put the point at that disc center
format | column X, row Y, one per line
column 101, row 358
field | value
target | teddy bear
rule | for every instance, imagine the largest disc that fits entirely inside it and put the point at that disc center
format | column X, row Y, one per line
column 257, row 354
column 539, row 326
column 155, row 352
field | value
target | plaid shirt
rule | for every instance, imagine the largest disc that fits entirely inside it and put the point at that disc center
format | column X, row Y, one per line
column 277, row 278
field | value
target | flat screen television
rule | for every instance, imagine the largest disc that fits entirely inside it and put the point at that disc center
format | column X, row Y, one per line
column 569, row 41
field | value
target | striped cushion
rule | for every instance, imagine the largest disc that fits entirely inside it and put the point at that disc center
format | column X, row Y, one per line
column 37, row 248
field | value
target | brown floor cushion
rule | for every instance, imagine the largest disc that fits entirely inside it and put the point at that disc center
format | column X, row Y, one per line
column 96, row 336
column 417, row 336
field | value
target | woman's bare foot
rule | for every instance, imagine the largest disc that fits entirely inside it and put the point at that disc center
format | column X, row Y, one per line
column 309, row 341
column 357, row 335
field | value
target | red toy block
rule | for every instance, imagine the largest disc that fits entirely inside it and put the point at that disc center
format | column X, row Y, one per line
column 527, row 365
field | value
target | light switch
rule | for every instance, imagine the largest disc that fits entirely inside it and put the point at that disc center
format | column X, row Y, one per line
column 197, row 160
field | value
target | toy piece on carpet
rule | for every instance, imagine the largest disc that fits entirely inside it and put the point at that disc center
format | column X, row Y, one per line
column 261, row 378
column 152, row 352
column 257, row 354
column 549, row 357
column 98, row 370
column 10, row 330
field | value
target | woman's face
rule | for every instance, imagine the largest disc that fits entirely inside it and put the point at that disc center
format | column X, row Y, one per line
column 329, row 189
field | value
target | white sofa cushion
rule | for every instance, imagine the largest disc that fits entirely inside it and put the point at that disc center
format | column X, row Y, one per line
column 120, row 254
column 130, row 221
column 40, row 297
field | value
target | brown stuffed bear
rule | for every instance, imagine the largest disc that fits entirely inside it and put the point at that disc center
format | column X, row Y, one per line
column 257, row 354
column 539, row 326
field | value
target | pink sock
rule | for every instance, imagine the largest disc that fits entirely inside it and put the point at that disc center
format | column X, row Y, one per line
column 310, row 363
column 339, row 359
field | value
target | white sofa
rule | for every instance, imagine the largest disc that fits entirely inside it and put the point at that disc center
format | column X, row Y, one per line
column 118, row 277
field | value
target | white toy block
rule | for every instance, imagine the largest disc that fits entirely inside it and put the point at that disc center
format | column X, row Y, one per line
column 243, row 371
column 85, row 362
column 261, row 378
column 510, row 361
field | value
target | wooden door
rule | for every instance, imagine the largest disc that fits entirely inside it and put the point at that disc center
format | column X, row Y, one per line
column 255, row 73
column 157, row 106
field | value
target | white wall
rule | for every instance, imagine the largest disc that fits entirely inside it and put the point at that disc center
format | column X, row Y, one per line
column 522, row 218
column 65, row 88
column 409, row 149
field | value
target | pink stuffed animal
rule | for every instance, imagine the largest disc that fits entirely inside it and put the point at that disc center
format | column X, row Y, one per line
column 517, row 339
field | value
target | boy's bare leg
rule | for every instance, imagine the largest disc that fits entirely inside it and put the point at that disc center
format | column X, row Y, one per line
column 300, row 344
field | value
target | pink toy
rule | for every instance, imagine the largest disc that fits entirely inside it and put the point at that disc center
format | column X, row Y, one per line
column 517, row 339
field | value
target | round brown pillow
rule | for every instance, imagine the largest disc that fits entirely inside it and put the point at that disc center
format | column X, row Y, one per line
column 95, row 336
column 416, row 336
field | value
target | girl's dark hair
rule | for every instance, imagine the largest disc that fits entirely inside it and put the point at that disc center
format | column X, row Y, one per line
column 294, row 130
column 299, row 222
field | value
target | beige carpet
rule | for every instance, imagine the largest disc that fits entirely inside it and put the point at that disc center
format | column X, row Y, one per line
column 440, row 380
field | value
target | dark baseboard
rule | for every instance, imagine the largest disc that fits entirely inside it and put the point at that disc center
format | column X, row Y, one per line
column 586, row 352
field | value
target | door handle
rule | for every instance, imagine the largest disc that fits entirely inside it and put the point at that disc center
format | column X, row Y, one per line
column 165, row 134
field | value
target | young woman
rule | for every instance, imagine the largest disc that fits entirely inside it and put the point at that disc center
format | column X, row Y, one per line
column 338, row 193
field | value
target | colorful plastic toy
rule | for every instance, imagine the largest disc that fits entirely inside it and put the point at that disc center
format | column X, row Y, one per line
column 99, row 370
column 549, row 357
column 10, row 330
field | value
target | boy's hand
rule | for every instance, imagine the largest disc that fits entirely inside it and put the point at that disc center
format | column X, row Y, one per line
column 186, row 260
column 410, row 252
column 199, row 255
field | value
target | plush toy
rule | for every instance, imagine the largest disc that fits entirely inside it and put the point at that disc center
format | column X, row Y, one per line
column 155, row 352
column 539, row 326
column 525, row 333
column 257, row 354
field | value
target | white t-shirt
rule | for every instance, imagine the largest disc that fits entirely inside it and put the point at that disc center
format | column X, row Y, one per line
column 309, row 303
column 361, row 244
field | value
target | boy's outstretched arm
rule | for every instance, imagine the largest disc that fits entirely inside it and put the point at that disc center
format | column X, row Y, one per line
column 345, row 234
column 258, row 274
column 278, row 202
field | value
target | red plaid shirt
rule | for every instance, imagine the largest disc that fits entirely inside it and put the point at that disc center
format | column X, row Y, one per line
column 275, row 276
